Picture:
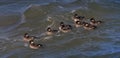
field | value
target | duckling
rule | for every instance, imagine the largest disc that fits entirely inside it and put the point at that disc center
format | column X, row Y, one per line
column 27, row 38
column 50, row 31
column 93, row 22
column 65, row 28
column 77, row 18
column 79, row 24
column 88, row 26
column 34, row 45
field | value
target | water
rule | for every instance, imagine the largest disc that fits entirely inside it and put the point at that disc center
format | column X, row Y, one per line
column 20, row 16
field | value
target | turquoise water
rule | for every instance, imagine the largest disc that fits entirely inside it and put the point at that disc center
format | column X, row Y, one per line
column 19, row 16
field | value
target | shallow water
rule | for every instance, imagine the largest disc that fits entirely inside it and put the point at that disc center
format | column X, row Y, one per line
column 19, row 16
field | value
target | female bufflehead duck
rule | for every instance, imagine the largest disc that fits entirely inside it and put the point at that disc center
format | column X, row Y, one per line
column 94, row 22
column 89, row 26
column 34, row 45
column 27, row 38
column 50, row 31
column 65, row 28
column 77, row 18
column 79, row 24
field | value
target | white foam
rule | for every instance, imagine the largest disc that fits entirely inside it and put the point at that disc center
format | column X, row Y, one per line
column 52, row 22
column 43, row 34
column 26, row 44
column 48, row 37
column 49, row 19
column 73, row 11
column 22, row 10
column 23, row 18
column 60, row 7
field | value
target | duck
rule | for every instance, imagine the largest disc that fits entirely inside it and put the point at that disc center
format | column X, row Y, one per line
column 34, row 45
column 94, row 22
column 27, row 37
column 88, row 26
column 50, row 31
column 79, row 23
column 76, row 17
column 65, row 27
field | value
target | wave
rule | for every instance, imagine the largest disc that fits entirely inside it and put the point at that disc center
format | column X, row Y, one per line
column 12, row 26
column 35, row 17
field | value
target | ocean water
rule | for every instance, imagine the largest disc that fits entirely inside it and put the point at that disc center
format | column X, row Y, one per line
column 34, row 16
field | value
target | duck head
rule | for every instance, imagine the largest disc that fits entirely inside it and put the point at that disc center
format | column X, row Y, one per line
column 75, row 15
column 31, row 41
column 86, row 24
column 61, row 23
column 92, row 20
column 26, row 35
column 79, row 22
column 49, row 29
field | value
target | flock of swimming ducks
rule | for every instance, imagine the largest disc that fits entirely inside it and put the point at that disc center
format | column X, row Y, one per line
column 78, row 22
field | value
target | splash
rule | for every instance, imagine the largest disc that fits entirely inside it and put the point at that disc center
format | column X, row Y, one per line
column 49, row 19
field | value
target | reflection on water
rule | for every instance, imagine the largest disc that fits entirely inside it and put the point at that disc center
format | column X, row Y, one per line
column 18, row 17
